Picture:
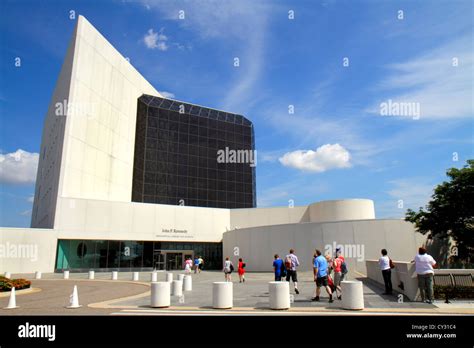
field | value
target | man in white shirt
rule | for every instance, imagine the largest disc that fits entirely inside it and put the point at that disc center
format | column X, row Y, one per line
column 384, row 264
column 424, row 269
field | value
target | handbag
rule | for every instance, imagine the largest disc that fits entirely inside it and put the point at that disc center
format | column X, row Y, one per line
column 390, row 262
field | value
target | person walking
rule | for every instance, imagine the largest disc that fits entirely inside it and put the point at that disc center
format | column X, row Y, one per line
column 201, row 264
column 320, row 272
column 291, row 262
column 338, row 274
column 278, row 268
column 424, row 264
column 188, row 265
column 385, row 267
column 241, row 270
column 196, row 264
column 228, row 269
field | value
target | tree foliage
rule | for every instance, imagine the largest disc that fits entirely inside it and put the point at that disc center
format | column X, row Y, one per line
column 450, row 213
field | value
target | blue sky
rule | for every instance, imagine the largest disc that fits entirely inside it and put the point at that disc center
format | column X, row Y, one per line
column 336, row 144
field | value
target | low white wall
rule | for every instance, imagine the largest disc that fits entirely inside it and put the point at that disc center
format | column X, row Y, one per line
column 26, row 250
column 403, row 275
column 258, row 245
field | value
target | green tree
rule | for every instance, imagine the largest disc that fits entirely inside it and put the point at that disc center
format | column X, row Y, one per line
column 450, row 213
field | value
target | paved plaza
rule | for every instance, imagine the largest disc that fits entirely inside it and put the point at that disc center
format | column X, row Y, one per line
column 50, row 296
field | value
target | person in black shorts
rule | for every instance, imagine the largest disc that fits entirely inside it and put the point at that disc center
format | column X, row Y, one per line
column 291, row 262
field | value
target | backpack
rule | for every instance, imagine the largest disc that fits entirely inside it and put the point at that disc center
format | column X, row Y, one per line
column 231, row 268
column 288, row 263
column 344, row 269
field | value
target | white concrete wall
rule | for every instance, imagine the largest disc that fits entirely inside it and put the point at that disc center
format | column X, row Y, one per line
column 340, row 210
column 88, row 153
column 96, row 219
column 403, row 275
column 252, row 217
column 40, row 243
column 99, row 142
column 51, row 153
column 258, row 245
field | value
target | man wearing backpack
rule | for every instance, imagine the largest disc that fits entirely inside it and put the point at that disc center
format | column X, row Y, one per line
column 291, row 262
column 320, row 271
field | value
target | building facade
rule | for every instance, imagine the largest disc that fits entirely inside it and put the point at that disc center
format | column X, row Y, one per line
column 129, row 180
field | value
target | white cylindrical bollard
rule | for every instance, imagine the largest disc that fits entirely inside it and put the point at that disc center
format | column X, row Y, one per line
column 279, row 295
column 352, row 294
column 222, row 295
column 177, row 288
column 153, row 276
column 66, row 275
column 180, row 277
column 135, row 276
column 8, row 275
column 37, row 275
column 188, row 283
column 169, row 277
column 160, row 294
column 91, row 274
column 114, row 275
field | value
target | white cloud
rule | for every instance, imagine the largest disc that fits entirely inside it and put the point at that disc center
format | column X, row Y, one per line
column 244, row 23
column 25, row 213
column 154, row 40
column 31, row 199
column 18, row 167
column 326, row 157
column 441, row 89
column 167, row 94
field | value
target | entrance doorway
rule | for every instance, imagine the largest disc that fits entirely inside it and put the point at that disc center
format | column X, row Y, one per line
column 171, row 260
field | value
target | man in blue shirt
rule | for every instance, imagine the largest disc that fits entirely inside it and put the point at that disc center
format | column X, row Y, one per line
column 278, row 268
column 320, row 271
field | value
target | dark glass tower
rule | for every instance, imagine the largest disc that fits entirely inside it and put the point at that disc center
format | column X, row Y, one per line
column 177, row 147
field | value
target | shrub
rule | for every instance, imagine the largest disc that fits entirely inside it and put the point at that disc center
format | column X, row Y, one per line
column 19, row 284
column 461, row 292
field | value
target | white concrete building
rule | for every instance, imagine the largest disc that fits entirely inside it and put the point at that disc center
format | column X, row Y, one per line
column 106, row 198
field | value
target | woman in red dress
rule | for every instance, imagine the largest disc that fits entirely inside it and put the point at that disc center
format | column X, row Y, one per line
column 241, row 271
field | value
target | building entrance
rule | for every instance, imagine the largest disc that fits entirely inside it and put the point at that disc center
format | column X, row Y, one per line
column 171, row 260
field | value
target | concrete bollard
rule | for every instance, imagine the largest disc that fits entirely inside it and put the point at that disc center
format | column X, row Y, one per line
column 7, row 275
column 135, row 276
column 37, row 275
column 153, row 277
column 222, row 295
column 169, row 277
column 181, row 277
column 66, row 275
column 160, row 294
column 177, row 288
column 91, row 274
column 188, row 283
column 279, row 295
column 114, row 275
column 352, row 295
